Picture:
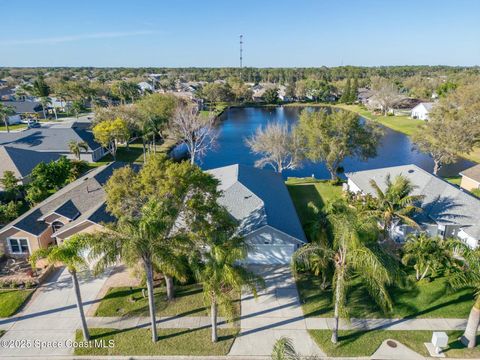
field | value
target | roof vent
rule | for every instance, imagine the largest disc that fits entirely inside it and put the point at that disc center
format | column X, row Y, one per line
column 85, row 178
column 411, row 171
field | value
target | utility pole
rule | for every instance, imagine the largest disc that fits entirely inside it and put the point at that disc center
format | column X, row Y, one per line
column 241, row 55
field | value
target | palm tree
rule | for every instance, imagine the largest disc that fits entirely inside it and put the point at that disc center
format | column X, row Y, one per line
column 76, row 147
column 5, row 112
column 394, row 204
column 427, row 254
column 132, row 240
column 468, row 274
column 222, row 276
column 353, row 251
column 70, row 253
column 284, row 350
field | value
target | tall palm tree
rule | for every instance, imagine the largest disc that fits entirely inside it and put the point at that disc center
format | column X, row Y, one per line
column 468, row 274
column 351, row 253
column 283, row 349
column 221, row 274
column 70, row 253
column 396, row 203
column 5, row 112
column 76, row 147
column 132, row 240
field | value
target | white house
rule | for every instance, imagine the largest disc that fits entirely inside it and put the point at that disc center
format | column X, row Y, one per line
column 260, row 202
column 145, row 86
column 447, row 210
column 421, row 111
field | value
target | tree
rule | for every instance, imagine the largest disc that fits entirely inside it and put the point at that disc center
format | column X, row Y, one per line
column 346, row 96
column 10, row 184
column 354, row 91
column 197, row 131
column 241, row 91
column 270, row 96
column 468, row 274
column 110, row 133
column 395, row 203
column 70, row 253
column 149, row 206
column 283, row 349
column 385, row 94
column 9, row 211
column 353, row 252
column 453, row 127
column 41, row 90
column 427, row 254
column 5, row 112
column 77, row 107
column 76, row 147
column 333, row 137
column 220, row 272
column 278, row 146
column 126, row 90
column 216, row 92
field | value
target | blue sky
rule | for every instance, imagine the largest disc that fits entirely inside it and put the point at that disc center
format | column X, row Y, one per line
column 205, row 33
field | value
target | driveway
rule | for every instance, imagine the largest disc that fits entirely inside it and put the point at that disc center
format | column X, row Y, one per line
column 50, row 316
column 276, row 312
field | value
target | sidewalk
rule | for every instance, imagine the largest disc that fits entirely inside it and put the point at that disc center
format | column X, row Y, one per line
column 387, row 324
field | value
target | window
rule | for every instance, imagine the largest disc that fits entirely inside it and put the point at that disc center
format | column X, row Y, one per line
column 19, row 246
column 56, row 225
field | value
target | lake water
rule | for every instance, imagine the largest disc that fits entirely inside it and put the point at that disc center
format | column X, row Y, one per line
column 236, row 124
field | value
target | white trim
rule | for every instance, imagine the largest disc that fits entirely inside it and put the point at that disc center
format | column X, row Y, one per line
column 18, row 241
column 274, row 228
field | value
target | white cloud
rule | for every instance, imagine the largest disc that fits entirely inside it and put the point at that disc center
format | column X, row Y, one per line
column 71, row 38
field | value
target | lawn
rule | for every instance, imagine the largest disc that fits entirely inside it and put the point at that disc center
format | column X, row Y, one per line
column 306, row 190
column 357, row 343
column 195, row 342
column 12, row 300
column 13, row 127
column 124, row 301
column 455, row 180
column 419, row 300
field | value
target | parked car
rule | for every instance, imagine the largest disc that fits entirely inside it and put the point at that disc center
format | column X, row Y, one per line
column 33, row 124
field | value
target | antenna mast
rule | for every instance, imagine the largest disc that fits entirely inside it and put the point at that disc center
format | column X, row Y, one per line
column 241, row 54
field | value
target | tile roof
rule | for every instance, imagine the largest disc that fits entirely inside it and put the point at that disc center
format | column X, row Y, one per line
column 443, row 203
column 257, row 198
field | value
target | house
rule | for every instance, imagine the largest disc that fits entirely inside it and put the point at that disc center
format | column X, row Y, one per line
column 422, row 110
column 471, row 178
column 24, row 109
column 364, row 95
column 260, row 202
column 145, row 87
column 77, row 208
column 55, row 140
column 447, row 210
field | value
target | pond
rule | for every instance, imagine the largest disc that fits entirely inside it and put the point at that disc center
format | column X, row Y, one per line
column 236, row 124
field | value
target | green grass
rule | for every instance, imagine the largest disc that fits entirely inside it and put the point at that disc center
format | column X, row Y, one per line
column 419, row 300
column 13, row 127
column 12, row 300
column 121, row 301
column 455, row 180
column 358, row 343
column 306, row 190
column 195, row 342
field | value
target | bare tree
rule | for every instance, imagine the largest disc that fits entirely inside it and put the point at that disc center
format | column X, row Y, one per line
column 195, row 130
column 278, row 146
column 384, row 94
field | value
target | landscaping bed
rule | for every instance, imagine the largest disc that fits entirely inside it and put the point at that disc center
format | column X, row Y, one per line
column 195, row 342
column 129, row 301
column 365, row 343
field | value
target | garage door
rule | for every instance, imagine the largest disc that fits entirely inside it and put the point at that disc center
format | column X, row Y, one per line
column 270, row 254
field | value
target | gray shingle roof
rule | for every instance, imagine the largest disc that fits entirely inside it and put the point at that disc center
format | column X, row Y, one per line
column 443, row 202
column 472, row 173
column 22, row 107
column 84, row 198
column 48, row 139
column 257, row 198
column 22, row 161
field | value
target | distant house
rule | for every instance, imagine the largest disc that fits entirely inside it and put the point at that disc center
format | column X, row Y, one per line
column 77, row 208
column 145, row 86
column 471, row 179
column 21, row 151
column 422, row 110
column 24, row 109
column 7, row 94
column 363, row 95
column 447, row 210
column 260, row 202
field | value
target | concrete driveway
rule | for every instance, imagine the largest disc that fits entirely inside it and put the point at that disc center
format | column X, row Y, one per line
column 276, row 312
column 51, row 316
